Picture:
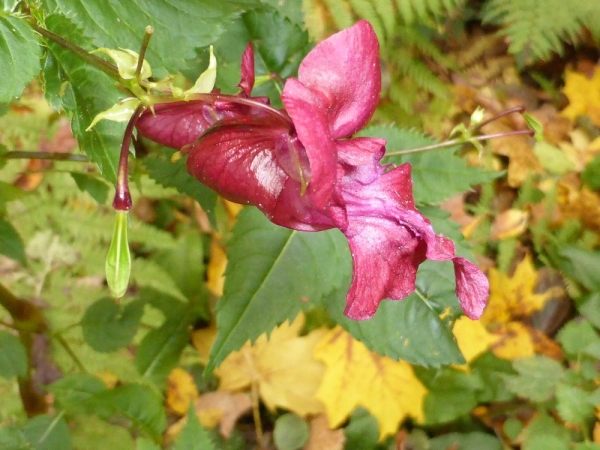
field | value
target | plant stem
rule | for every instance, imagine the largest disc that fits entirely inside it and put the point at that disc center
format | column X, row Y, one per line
column 516, row 109
column 54, row 156
column 453, row 142
column 28, row 321
column 122, row 200
column 101, row 64
column 147, row 35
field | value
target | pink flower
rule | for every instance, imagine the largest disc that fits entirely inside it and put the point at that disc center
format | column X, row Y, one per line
column 303, row 170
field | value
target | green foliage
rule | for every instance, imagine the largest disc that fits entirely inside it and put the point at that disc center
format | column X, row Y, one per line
column 410, row 329
column 466, row 441
column 19, row 56
column 291, row 432
column 538, row 28
column 193, row 436
column 267, row 287
column 13, row 357
column 537, row 378
column 46, row 432
column 362, row 431
column 437, row 175
column 11, row 243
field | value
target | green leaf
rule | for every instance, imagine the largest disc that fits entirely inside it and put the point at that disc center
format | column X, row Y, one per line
column 574, row 404
column 452, row 394
column 543, row 433
column 174, row 174
column 19, row 56
column 193, row 436
column 11, row 438
column 136, row 402
column 362, row 432
column 581, row 265
column 465, row 441
column 590, row 309
column 159, row 351
column 272, row 272
column 586, row 446
column 13, row 356
column 97, row 189
column 179, row 27
column 591, row 174
column 11, row 244
column 46, row 432
column 409, row 329
column 279, row 47
column 438, row 174
column 108, row 326
column 492, row 371
column 83, row 92
column 146, row 444
column 537, row 378
column 291, row 432
column 75, row 393
column 552, row 158
column 578, row 338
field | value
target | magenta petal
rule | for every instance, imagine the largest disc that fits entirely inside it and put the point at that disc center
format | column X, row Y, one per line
column 309, row 114
column 472, row 287
column 345, row 68
column 247, row 70
column 386, row 257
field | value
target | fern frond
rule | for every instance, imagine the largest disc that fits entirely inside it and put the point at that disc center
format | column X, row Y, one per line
column 365, row 10
column 538, row 28
column 340, row 12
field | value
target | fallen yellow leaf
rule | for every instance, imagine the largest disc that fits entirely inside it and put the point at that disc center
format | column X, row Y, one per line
column 231, row 406
column 583, row 93
column 357, row 377
column 203, row 339
column 181, row 390
column 513, row 297
column 281, row 367
column 510, row 223
column 472, row 337
column 514, row 341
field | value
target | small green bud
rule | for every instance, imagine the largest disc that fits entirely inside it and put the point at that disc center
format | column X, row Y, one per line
column 118, row 260
column 127, row 61
column 206, row 81
column 536, row 126
column 477, row 116
column 121, row 112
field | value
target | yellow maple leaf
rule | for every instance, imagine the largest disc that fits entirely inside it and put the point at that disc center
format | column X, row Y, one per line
column 282, row 368
column 356, row 376
column 472, row 337
column 181, row 391
column 513, row 297
column 583, row 93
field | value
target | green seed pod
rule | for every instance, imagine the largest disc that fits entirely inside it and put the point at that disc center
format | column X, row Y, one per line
column 118, row 260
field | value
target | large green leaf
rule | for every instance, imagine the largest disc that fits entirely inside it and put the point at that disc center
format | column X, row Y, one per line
column 108, row 327
column 537, row 378
column 180, row 27
column 279, row 47
column 83, row 92
column 46, row 432
column 410, row 329
column 272, row 272
column 437, row 174
column 160, row 349
column 13, row 357
column 11, row 244
column 76, row 392
column 174, row 174
column 19, row 56
column 12, row 438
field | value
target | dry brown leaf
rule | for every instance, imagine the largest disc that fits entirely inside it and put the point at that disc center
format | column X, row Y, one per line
column 322, row 437
column 229, row 407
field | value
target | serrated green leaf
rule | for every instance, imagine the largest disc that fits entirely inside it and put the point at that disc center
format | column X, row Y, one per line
column 108, row 327
column 46, row 432
column 83, row 92
column 159, row 351
column 291, row 432
column 271, row 273
column 492, row 371
column 193, row 436
column 465, row 441
column 581, row 265
column 590, row 309
column 11, row 244
column 409, row 329
column 179, row 27
column 136, row 402
column 279, row 47
column 74, row 392
column 543, row 433
column 13, row 356
column 578, row 338
column 174, row 174
column 573, row 404
column 437, row 174
column 97, row 189
column 19, row 56
column 537, row 378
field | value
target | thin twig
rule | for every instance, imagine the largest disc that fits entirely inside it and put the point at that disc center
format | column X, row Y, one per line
column 54, row 156
column 147, row 35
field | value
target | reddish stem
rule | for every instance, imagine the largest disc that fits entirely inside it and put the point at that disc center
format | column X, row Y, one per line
column 122, row 200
